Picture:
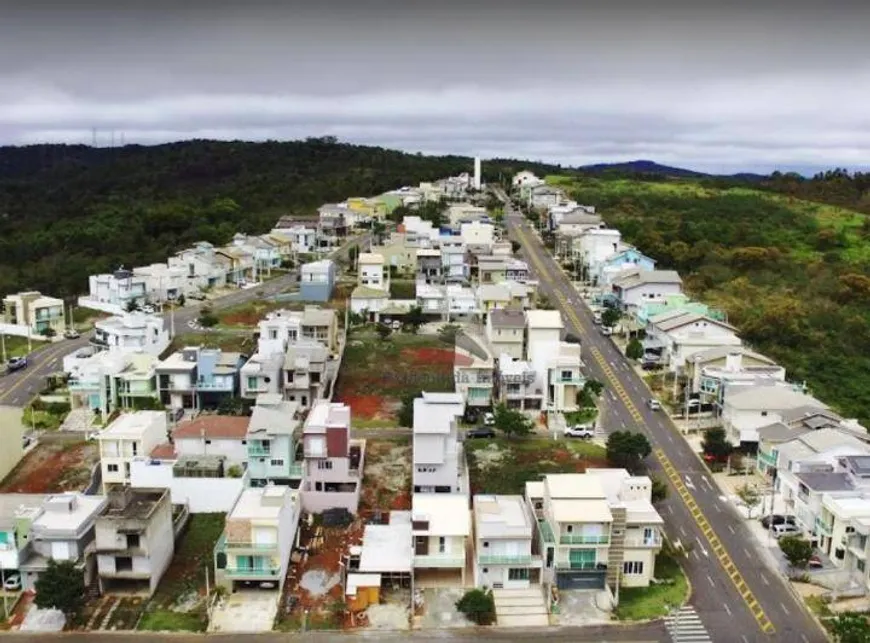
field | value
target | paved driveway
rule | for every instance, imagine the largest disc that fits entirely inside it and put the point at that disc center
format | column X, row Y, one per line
column 245, row 611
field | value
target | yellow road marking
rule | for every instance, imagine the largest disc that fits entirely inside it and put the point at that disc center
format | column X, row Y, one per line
column 47, row 355
column 670, row 471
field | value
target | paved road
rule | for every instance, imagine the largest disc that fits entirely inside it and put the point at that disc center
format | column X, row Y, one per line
column 651, row 633
column 738, row 598
column 18, row 388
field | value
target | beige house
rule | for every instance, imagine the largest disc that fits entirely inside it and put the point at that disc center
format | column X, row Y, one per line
column 506, row 332
column 441, row 526
column 33, row 311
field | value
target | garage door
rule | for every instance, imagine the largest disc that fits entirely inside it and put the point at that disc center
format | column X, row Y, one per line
column 581, row 580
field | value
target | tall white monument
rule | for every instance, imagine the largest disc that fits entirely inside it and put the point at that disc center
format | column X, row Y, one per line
column 476, row 172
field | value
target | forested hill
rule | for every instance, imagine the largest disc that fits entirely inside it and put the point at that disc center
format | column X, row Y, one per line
column 70, row 211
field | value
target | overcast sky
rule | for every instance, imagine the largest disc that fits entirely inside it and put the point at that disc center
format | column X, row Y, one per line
column 717, row 90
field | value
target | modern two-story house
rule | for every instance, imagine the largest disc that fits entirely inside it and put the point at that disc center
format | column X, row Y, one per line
column 130, row 436
column 439, row 460
column 506, row 555
column 272, row 443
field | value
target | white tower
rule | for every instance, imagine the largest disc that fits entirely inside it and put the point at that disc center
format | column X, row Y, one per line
column 476, row 172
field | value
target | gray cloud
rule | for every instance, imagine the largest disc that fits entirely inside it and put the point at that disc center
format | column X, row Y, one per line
column 720, row 90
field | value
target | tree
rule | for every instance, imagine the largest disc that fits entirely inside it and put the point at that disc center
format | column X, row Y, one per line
column 180, row 300
column 406, row 410
column 478, row 606
column 383, row 331
column 415, row 318
column 511, row 422
column 750, row 497
column 715, row 444
column 378, row 231
column 131, row 306
column 850, row 627
column 659, row 489
column 627, row 449
column 610, row 317
column 234, row 406
column 634, row 350
column 594, row 386
column 48, row 332
column 797, row 551
column 207, row 318
column 61, row 586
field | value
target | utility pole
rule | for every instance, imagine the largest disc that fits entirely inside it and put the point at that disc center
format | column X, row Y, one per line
column 3, row 346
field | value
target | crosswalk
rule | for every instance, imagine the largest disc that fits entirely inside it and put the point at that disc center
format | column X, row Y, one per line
column 685, row 626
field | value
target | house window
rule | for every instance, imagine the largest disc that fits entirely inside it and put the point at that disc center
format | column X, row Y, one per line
column 112, row 468
column 132, row 541
column 208, row 441
column 277, row 463
column 632, row 567
column 764, row 414
column 123, row 564
column 325, row 464
column 442, row 545
column 518, row 574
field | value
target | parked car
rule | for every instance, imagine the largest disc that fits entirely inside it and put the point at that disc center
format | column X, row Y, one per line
column 12, row 582
column 784, row 529
column 16, row 364
column 583, row 431
column 815, row 562
column 776, row 519
column 71, row 333
column 596, row 317
column 607, row 331
column 654, row 404
column 480, row 432
column 396, row 325
column 196, row 296
column 489, row 419
column 650, row 366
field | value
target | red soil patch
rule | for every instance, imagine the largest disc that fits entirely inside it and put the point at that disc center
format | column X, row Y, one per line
column 367, row 407
column 401, row 502
column 52, row 468
column 435, row 357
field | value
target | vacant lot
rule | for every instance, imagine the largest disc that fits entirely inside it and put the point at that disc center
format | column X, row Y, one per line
column 249, row 315
column 642, row 603
column 179, row 602
column 53, row 467
column 387, row 476
column 504, row 466
column 376, row 373
column 235, row 341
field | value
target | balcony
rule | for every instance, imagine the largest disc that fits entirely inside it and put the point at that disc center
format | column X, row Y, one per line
column 640, row 541
column 519, row 559
column 250, row 572
column 768, row 459
column 580, row 565
column 258, row 450
column 574, row 379
column 83, row 385
column 296, row 470
column 239, row 545
column 580, row 539
column 439, row 560
column 212, row 385
column 823, row 528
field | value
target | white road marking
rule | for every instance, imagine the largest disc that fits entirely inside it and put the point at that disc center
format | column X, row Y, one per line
column 682, row 531
column 695, row 554
column 804, row 638
column 745, row 640
column 784, row 609
column 712, row 583
column 731, row 529
column 670, row 437
column 689, row 483
column 746, row 551
column 701, row 546
column 670, row 510
column 764, row 579
column 706, row 482
column 717, row 507
column 727, row 609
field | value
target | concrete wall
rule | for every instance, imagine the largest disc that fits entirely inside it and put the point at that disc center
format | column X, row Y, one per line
column 13, row 430
column 202, row 495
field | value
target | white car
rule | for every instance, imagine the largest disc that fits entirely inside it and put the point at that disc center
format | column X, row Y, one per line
column 584, row 431
column 12, row 582
column 654, row 404
column 488, row 419
column 607, row 331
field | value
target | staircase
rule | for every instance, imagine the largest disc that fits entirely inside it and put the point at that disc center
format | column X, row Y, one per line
column 521, row 607
column 616, row 553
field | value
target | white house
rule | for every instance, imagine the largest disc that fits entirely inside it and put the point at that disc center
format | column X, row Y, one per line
column 684, row 334
column 441, row 526
column 203, row 483
column 525, row 179
column 221, row 435
column 565, row 378
column 637, row 287
column 596, row 244
column 372, row 271
column 711, row 370
column 504, row 531
column 438, row 464
column 131, row 435
column 477, row 232
column 505, row 332
column 113, row 293
column 751, row 407
column 163, row 282
column 204, row 269
column 135, row 332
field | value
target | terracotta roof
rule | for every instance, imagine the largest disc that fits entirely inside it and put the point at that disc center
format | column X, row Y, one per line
column 214, row 426
column 165, row 451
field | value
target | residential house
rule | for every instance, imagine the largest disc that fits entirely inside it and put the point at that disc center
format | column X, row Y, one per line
column 116, row 292
column 258, row 538
column 420, row 233
column 317, row 280
column 11, row 419
column 429, row 266
column 398, row 253
column 135, row 539
column 750, row 407
column 683, row 335
column 504, row 534
column 525, row 178
column 277, row 330
column 594, row 245
column 516, row 271
column 32, row 313
column 163, row 282
column 465, row 213
column 321, row 325
column 262, row 373
column 266, row 253
column 333, row 461
column 842, row 530
column 220, row 435
column 441, row 526
column 545, row 196
column 517, row 384
column 453, row 265
column 680, row 302
column 492, row 297
column 714, row 369
column 571, row 219
column 492, row 269
column 477, row 233
column 565, row 378
column 626, row 258
column 505, row 332
column 633, row 287
column 461, row 302
column 94, row 378
column 431, row 299
column 596, row 529
column 197, row 377
column 369, row 302
column 298, row 237
column 438, row 460
column 17, row 513
column 305, row 376
column 473, row 374
column 204, row 268
column 242, row 266
column 337, row 218
column 63, row 530
column 136, row 384
column 272, row 441
column 129, row 436
column 557, row 364
column 135, row 332
column 372, row 271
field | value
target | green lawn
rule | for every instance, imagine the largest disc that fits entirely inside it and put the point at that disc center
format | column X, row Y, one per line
column 18, row 346
column 583, row 416
column 163, row 620
column 503, row 466
column 643, row 603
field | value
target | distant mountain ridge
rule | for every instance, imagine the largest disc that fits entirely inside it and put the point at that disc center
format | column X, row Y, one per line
column 644, row 166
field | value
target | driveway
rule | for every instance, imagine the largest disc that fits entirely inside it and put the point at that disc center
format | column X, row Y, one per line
column 440, row 609
column 245, row 611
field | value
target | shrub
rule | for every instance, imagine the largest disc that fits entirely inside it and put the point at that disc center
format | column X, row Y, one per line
column 478, row 606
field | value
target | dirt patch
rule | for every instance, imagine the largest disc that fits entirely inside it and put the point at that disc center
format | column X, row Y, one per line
column 368, row 407
column 53, row 467
column 435, row 357
column 386, row 477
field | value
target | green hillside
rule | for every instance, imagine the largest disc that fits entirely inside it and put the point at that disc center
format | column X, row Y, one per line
column 793, row 275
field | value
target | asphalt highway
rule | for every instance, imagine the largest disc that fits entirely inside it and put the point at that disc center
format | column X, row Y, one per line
column 19, row 387
column 738, row 599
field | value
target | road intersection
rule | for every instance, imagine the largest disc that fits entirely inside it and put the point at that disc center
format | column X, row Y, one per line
column 736, row 597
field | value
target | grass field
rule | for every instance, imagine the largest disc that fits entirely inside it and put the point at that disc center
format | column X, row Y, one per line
column 643, row 603
column 503, row 466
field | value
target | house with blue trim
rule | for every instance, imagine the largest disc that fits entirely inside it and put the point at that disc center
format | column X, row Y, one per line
column 626, row 258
